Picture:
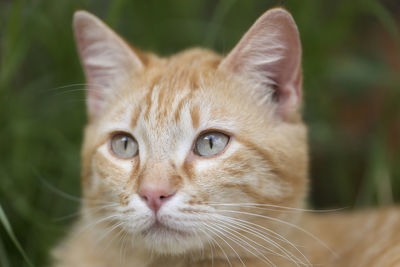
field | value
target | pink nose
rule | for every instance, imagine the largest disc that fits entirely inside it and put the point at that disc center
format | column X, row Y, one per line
column 155, row 196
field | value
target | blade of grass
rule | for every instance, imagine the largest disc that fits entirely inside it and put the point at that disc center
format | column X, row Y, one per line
column 8, row 228
column 3, row 256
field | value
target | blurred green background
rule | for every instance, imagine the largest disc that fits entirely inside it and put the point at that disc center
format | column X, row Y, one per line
column 351, row 83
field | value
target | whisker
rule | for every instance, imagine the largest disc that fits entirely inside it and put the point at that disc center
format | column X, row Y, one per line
column 110, row 230
column 66, row 217
column 91, row 90
column 213, row 241
column 90, row 225
column 113, row 239
column 64, row 194
column 273, row 207
column 95, row 89
column 199, row 240
column 253, row 228
column 286, row 223
column 56, row 190
column 64, row 86
column 237, row 254
column 123, row 247
column 266, row 260
column 84, row 211
column 287, row 254
column 70, row 91
column 217, row 243
column 212, row 247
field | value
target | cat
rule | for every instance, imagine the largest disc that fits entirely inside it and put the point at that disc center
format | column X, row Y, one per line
column 202, row 160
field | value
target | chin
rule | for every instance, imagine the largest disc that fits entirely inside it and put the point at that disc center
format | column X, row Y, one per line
column 168, row 241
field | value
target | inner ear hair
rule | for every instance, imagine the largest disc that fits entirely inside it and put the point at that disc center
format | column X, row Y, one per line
column 106, row 59
column 269, row 54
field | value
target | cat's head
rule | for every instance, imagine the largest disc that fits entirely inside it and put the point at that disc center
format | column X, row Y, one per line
column 178, row 150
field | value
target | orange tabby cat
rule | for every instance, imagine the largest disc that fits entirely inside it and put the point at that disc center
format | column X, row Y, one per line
column 201, row 160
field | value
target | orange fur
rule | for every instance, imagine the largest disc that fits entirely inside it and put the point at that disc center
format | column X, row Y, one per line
column 165, row 104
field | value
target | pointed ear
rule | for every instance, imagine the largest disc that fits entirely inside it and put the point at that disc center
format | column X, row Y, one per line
column 106, row 59
column 269, row 55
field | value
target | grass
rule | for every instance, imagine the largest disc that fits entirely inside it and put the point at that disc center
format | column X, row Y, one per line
column 7, row 226
column 352, row 95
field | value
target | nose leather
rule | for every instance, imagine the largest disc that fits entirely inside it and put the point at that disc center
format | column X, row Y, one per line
column 155, row 195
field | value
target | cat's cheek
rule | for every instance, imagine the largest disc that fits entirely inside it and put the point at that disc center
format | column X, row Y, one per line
column 203, row 165
column 110, row 171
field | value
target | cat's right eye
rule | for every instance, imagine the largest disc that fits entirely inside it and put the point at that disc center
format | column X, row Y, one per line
column 124, row 146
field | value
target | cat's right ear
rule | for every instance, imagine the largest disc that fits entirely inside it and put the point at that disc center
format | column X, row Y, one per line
column 107, row 59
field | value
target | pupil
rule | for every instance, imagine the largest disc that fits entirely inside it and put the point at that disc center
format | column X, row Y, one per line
column 211, row 141
column 125, row 140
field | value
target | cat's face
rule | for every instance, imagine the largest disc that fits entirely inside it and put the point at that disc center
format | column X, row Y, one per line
column 178, row 149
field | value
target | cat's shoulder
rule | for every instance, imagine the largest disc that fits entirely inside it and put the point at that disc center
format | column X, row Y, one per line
column 366, row 237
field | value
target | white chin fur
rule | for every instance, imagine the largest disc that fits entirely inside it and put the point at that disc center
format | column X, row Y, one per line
column 171, row 243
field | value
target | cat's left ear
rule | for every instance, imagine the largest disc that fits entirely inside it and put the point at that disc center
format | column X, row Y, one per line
column 107, row 59
column 269, row 54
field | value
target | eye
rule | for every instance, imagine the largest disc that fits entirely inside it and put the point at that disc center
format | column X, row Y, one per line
column 124, row 146
column 211, row 143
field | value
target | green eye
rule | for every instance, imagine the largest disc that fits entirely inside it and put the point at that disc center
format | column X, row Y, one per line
column 124, row 146
column 210, row 144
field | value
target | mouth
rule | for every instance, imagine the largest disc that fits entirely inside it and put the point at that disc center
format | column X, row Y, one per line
column 163, row 238
column 161, row 230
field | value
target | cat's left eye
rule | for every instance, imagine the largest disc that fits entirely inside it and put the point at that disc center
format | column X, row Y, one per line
column 124, row 146
column 211, row 143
